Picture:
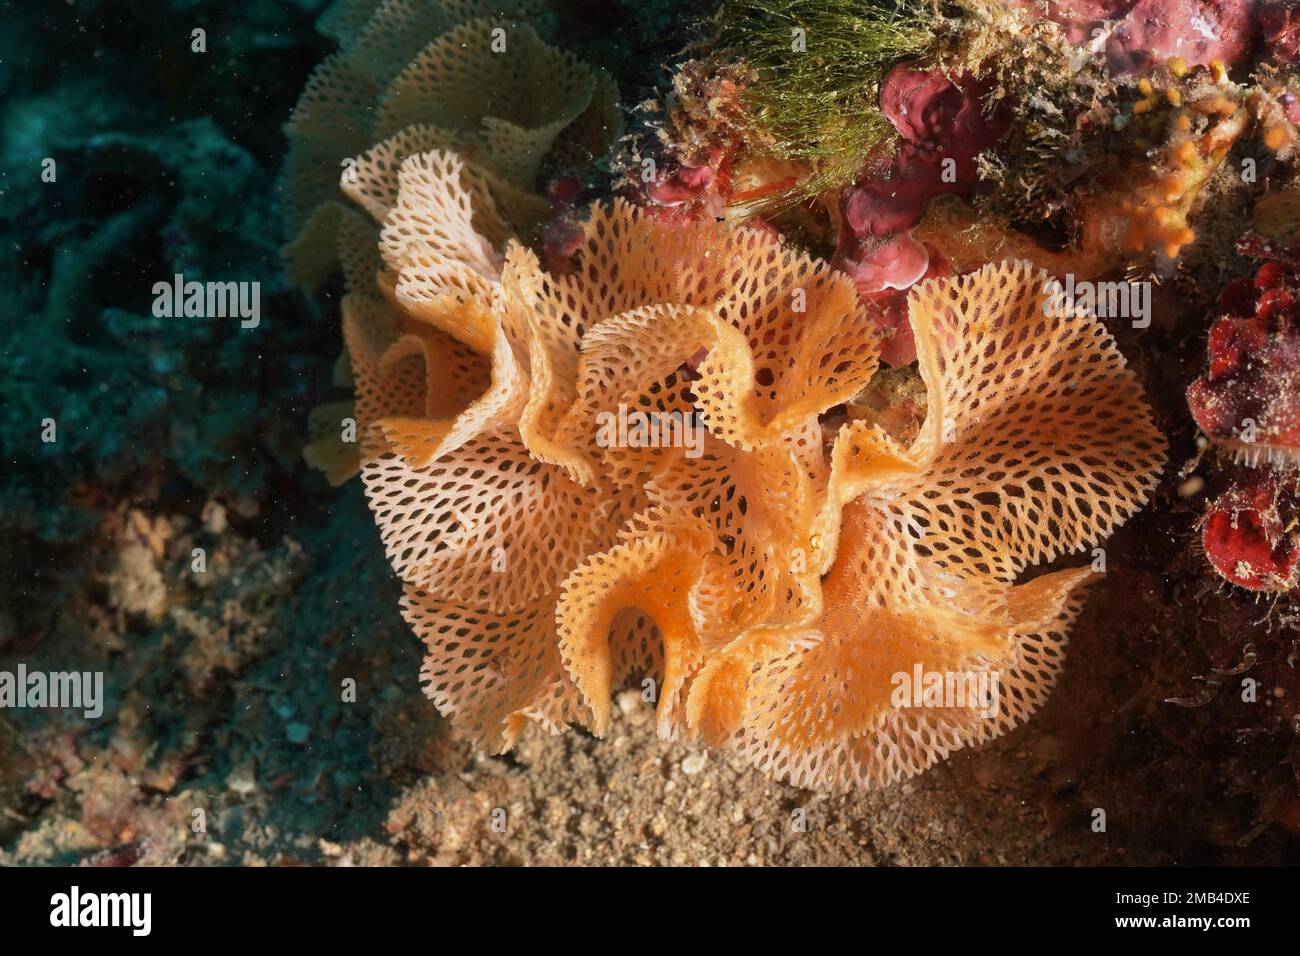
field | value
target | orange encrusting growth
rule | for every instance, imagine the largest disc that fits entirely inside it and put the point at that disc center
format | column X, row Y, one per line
column 1125, row 213
column 1158, row 213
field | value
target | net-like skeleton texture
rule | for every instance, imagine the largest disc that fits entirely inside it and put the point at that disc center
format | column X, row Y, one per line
column 641, row 469
column 410, row 76
column 619, row 473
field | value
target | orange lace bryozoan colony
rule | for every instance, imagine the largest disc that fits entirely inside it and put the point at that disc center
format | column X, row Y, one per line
column 771, row 580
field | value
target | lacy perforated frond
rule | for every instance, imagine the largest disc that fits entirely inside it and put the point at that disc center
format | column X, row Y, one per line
column 820, row 706
column 423, row 393
column 786, row 338
column 399, row 29
column 310, row 258
column 465, row 75
column 505, row 88
column 437, row 241
column 655, row 570
column 485, row 523
column 330, row 123
column 629, row 472
column 376, row 180
column 1036, row 443
column 433, row 118
column 588, row 137
column 492, row 672
column 335, row 236
column 759, row 506
column 642, row 471
column 436, row 260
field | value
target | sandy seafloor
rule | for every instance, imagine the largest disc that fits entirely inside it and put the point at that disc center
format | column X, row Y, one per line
column 223, row 688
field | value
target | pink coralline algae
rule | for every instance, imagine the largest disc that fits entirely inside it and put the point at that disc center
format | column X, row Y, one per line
column 1248, row 401
column 1138, row 36
column 932, row 112
column 1199, row 31
column 898, row 348
column 942, row 126
column 1250, row 533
